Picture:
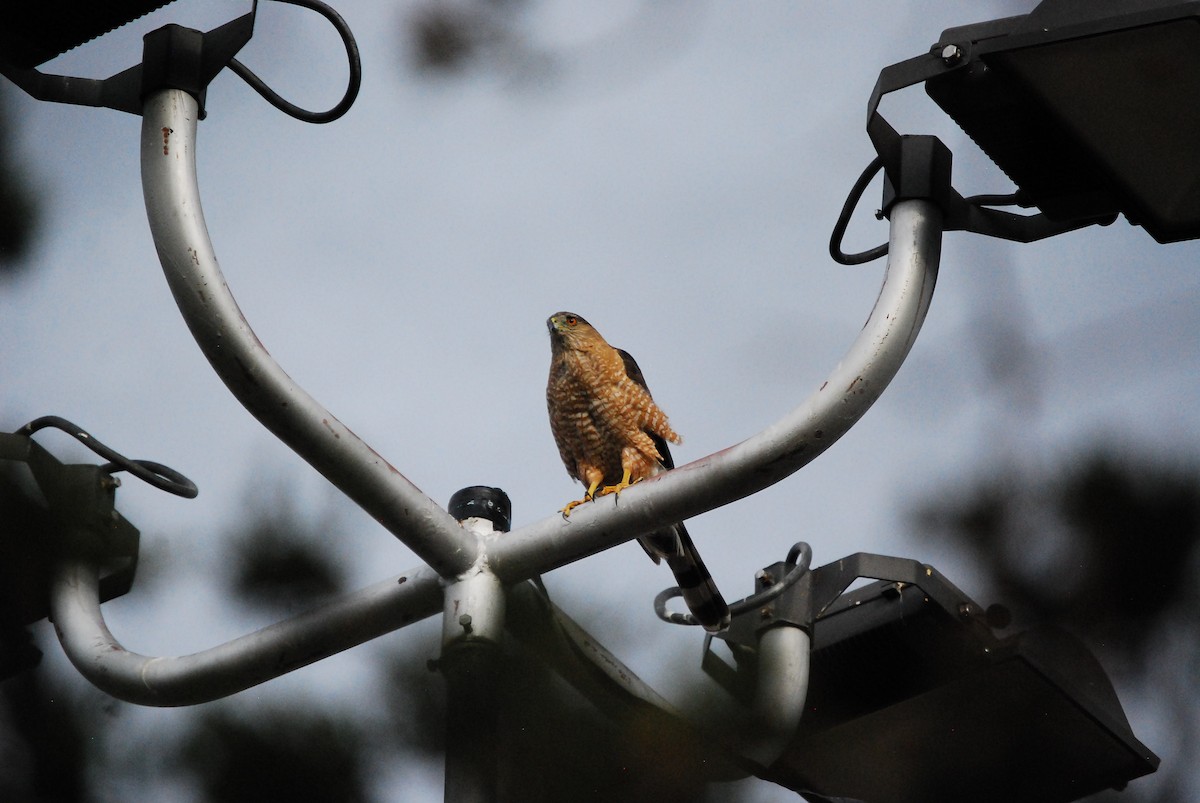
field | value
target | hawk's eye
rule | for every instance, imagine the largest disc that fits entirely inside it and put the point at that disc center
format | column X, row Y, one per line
column 572, row 320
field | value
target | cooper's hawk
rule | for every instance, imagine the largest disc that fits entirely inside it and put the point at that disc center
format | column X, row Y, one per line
column 611, row 434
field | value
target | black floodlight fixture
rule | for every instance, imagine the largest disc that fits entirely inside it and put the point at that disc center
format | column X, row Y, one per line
column 33, row 33
column 1091, row 107
column 914, row 698
column 49, row 509
column 175, row 57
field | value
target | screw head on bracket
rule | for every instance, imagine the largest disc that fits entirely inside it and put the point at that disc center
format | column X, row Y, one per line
column 952, row 55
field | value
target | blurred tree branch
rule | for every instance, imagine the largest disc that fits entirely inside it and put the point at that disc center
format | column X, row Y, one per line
column 19, row 208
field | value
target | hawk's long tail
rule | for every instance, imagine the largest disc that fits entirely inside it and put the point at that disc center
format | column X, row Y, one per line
column 700, row 593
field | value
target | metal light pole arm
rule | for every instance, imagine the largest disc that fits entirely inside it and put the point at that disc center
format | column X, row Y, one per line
column 783, row 672
column 239, row 358
column 236, row 665
column 695, row 488
column 773, row 454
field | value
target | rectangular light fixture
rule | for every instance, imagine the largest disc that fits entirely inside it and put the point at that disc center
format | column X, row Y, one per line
column 912, row 700
column 33, row 32
column 1091, row 107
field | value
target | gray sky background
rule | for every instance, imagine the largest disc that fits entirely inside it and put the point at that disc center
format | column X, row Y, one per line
column 672, row 172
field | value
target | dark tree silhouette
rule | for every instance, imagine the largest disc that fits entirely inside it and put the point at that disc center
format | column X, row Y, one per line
column 294, row 753
column 282, row 562
column 43, row 741
column 451, row 38
column 18, row 202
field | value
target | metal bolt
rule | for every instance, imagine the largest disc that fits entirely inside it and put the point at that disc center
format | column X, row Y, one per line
column 952, row 55
column 764, row 613
column 465, row 621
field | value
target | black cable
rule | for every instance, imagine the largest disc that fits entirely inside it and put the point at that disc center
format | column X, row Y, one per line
column 671, row 617
column 352, row 56
column 839, row 228
column 160, row 476
column 1011, row 199
column 799, row 558
column 800, row 551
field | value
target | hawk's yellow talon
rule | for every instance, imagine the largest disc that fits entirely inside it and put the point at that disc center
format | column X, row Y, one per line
column 587, row 497
column 620, row 486
column 616, row 489
column 566, row 511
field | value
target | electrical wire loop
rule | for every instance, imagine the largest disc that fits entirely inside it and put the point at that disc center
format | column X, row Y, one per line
column 162, row 477
column 352, row 56
column 799, row 559
column 839, row 228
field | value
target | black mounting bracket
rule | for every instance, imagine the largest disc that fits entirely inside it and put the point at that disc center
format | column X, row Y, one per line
column 902, row 164
column 47, row 508
column 173, row 57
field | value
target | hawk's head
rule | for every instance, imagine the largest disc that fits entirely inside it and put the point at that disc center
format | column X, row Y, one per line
column 568, row 330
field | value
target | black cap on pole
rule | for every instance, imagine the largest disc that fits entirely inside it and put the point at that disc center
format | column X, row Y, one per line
column 481, row 501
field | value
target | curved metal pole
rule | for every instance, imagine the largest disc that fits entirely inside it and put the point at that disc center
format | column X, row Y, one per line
column 709, row 482
column 181, row 237
column 176, row 219
column 773, row 454
column 239, row 664
column 239, row 358
column 783, row 665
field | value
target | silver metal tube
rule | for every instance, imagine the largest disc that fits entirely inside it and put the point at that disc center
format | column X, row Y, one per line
column 239, row 358
column 473, row 608
column 783, row 664
column 181, row 237
column 773, row 454
column 472, row 662
column 238, row 664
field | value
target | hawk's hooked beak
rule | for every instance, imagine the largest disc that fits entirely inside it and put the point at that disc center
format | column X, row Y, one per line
column 566, row 327
column 560, row 322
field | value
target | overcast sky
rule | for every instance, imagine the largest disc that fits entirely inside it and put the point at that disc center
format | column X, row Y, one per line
column 672, row 173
